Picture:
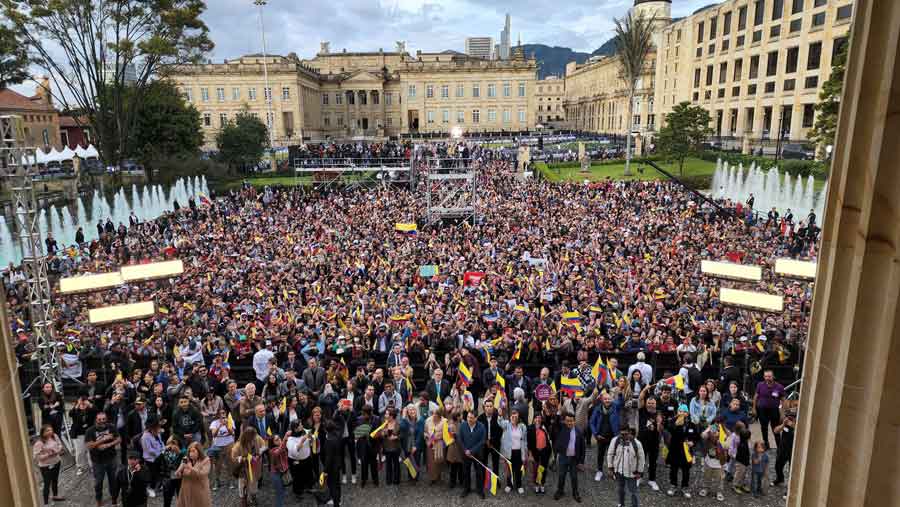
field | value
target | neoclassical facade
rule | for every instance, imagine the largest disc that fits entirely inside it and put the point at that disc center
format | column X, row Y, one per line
column 364, row 94
column 550, row 96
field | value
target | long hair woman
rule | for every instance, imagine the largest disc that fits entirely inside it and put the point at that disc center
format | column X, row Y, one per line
column 539, row 447
column 194, row 474
column 51, row 405
column 246, row 457
column 46, row 452
column 170, row 461
column 299, row 459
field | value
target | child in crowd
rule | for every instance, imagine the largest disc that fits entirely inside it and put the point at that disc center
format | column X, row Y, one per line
column 714, row 459
column 739, row 450
column 760, row 464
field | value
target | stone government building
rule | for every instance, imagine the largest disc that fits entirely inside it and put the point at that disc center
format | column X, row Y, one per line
column 365, row 95
column 753, row 64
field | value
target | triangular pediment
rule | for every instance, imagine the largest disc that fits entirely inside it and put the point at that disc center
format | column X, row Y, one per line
column 364, row 76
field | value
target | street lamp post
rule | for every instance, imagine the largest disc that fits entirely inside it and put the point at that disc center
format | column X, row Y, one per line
column 270, row 117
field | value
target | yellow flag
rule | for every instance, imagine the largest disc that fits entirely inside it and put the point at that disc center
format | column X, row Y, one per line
column 448, row 438
column 411, row 467
column 283, row 407
column 376, row 430
column 322, row 479
column 540, row 474
column 249, row 467
column 687, row 453
column 269, row 431
column 229, row 423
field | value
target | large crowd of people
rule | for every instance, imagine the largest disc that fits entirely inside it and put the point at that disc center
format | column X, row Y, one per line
column 488, row 349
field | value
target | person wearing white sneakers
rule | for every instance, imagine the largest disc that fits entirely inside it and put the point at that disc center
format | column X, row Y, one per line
column 650, row 422
column 514, row 445
column 714, row 459
column 625, row 461
column 604, row 426
column 539, row 450
column 683, row 437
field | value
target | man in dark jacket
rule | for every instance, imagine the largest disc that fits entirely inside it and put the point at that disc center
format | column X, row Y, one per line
column 569, row 447
column 472, row 435
column 491, row 422
column 264, row 422
column 331, row 458
column 345, row 421
column 438, row 386
column 187, row 422
column 314, row 378
column 133, row 481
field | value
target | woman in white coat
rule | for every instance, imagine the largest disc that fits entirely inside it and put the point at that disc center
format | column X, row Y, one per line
column 514, row 447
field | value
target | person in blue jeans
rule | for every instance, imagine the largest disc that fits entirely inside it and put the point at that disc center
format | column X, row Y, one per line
column 101, row 440
column 759, row 462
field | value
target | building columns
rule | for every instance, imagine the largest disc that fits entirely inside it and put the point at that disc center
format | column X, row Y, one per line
column 846, row 450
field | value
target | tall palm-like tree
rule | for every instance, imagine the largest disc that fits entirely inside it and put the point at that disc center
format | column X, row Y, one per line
column 633, row 44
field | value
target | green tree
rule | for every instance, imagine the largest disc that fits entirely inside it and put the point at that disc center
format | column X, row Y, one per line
column 633, row 45
column 686, row 128
column 13, row 58
column 96, row 50
column 167, row 126
column 829, row 105
column 242, row 141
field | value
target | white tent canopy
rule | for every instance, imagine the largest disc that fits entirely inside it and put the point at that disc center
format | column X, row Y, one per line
column 53, row 155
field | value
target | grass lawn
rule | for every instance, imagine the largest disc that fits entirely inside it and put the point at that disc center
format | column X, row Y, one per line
column 286, row 181
column 693, row 168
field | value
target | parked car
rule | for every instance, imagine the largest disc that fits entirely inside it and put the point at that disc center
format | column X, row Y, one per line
column 797, row 152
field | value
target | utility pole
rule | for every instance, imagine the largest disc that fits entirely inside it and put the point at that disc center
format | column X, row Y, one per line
column 270, row 116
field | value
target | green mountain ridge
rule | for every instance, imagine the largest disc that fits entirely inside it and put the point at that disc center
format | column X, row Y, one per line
column 552, row 60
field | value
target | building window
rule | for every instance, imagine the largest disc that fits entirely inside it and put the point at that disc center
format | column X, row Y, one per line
column 789, row 85
column 757, row 36
column 814, row 56
column 742, row 18
column 445, row 91
column 492, row 90
column 507, row 89
column 476, row 116
column 777, row 9
column 793, row 56
column 476, row 90
column 338, row 98
column 326, row 120
column 492, row 115
column 837, row 45
column 811, row 82
column 819, row 3
column 726, row 44
column 460, row 117
column 735, row 91
column 270, row 120
column 351, row 98
column 818, row 19
column 267, row 94
column 189, row 95
column 522, row 88
column 325, row 99
column 723, row 72
column 207, row 120
column 707, row 94
column 285, row 93
column 721, row 93
column 844, row 12
column 411, row 91
column 754, row 66
column 696, row 78
column 429, row 91
column 340, row 120
column 726, row 23
column 751, row 90
column 223, row 119
column 700, row 30
column 797, row 6
column 507, row 116
column 713, row 27
column 699, row 52
column 775, row 31
column 711, row 50
column 758, row 12
column 430, row 116
column 739, row 41
column 460, row 90
column 796, row 25
column 376, row 98
column 445, row 116
column 389, row 121
column 204, row 94
column 388, row 98
column 220, row 94
column 709, row 75
column 809, row 114
column 772, row 64
column 738, row 69
column 770, row 87
column 696, row 97
column 521, row 116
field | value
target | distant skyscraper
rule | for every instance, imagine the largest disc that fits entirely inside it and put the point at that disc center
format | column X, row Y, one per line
column 504, row 41
column 480, row 47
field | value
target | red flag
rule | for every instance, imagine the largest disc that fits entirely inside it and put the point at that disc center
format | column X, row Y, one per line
column 472, row 278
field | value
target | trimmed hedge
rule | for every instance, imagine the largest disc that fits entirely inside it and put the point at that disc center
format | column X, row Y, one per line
column 614, row 161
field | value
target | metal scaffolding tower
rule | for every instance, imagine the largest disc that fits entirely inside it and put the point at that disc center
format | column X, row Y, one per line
column 450, row 190
column 17, row 166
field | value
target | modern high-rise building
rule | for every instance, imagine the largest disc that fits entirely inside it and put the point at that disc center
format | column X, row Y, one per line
column 504, row 48
column 480, row 47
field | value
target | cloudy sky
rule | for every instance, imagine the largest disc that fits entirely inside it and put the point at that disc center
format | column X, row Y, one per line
column 429, row 25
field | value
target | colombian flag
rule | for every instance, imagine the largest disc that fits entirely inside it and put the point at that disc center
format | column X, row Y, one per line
column 465, row 374
column 490, row 482
column 600, row 372
column 675, row 381
column 448, row 438
column 571, row 386
column 204, row 200
column 406, row 228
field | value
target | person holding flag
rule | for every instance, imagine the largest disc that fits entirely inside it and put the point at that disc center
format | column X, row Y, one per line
column 246, row 454
column 539, row 449
column 436, row 449
column 513, row 445
column 222, row 431
column 715, row 457
column 472, row 436
column 683, row 436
